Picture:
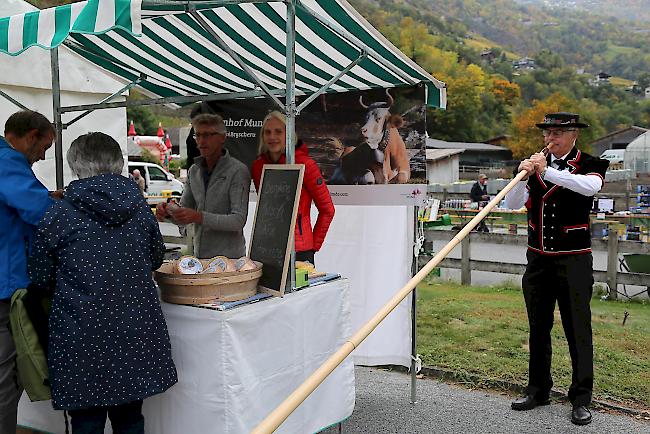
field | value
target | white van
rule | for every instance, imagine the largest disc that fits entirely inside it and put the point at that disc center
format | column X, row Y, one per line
column 615, row 157
column 156, row 181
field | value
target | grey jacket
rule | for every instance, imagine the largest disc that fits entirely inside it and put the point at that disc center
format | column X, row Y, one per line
column 224, row 207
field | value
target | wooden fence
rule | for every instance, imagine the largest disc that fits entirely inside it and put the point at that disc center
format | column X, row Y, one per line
column 612, row 277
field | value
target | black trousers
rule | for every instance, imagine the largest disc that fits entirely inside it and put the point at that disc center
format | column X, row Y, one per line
column 567, row 279
column 125, row 419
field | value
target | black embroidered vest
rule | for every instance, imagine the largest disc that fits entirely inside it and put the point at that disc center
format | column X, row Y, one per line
column 558, row 218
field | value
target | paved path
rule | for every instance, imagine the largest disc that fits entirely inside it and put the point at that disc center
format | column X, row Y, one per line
column 382, row 406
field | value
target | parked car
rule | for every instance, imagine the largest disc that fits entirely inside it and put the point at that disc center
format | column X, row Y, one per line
column 615, row 157
column 156, row 181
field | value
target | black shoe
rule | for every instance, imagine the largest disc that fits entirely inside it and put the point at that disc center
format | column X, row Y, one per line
column 528, row 402
column 580, row 415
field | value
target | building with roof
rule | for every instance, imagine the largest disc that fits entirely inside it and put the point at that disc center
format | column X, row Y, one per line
column 443, row 165
column 475, row 154
column 637, row 154
column 618, row 139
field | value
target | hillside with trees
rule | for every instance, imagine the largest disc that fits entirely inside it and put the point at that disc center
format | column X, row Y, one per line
column 625, row 9
column 488, row 95
column 471, row 46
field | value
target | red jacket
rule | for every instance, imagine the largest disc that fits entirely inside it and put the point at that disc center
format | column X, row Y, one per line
column 313, row 188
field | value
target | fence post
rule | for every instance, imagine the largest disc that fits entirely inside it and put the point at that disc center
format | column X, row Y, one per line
column 465, row 256
column 612, row 261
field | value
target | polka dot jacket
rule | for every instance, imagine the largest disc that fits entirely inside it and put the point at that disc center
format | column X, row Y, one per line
column 108, row 341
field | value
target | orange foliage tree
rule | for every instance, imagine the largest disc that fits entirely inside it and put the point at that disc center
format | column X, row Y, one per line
column 527, row 138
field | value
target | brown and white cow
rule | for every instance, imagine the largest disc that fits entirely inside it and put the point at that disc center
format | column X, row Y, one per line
column 380, row 132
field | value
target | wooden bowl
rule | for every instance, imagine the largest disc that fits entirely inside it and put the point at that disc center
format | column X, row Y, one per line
column 206, row 288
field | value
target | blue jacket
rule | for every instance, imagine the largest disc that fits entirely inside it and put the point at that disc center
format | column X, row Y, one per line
column 23, row 202
column 108, row 342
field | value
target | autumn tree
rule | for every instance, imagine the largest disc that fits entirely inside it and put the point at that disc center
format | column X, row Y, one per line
column 527, row 138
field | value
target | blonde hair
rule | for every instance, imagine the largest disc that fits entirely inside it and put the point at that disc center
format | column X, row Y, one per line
column 275, row 114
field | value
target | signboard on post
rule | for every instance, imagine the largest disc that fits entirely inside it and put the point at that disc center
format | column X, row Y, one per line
column 274, row 223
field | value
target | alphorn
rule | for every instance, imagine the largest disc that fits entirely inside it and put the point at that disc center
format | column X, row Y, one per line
column 282, row 412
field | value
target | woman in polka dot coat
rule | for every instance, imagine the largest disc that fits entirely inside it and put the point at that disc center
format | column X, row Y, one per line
column 108, row 343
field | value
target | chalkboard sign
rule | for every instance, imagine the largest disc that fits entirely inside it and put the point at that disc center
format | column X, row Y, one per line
column 274, row 223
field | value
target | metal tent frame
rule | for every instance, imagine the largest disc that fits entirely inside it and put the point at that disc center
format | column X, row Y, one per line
column 289, row 108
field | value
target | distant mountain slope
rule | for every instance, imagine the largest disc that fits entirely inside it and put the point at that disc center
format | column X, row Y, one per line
column 584, row 40
column 638, row 10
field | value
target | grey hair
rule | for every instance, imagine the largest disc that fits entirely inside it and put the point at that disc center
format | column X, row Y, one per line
column 211, row 120
column 95, row 154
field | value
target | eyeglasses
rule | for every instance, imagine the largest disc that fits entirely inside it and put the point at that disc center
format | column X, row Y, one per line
column 197, row 136
column 556, row 133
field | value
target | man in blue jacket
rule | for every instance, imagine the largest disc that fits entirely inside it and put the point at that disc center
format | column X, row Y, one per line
column 23, row 201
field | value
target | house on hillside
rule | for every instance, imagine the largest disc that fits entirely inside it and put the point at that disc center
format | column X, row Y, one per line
column 524, row 64
column 600, row 79
column 616, row 139
column 475, row 155
column 443, row 165
column 488, row 55
column 647, row 92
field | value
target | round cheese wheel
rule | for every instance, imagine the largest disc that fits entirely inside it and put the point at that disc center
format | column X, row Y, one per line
column 217, row 264
column 244, row 264
column 189, row 265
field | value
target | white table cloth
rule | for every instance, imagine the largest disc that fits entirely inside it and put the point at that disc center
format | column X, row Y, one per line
column 234, row 367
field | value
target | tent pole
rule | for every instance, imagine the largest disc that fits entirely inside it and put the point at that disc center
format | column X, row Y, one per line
column 333, row 80
column 171, row 100
column 414, row 271
column 339, row 30
column 13, row 101
column 56, row 111
column 199, row 19
column 290, row 109
column 108, row 98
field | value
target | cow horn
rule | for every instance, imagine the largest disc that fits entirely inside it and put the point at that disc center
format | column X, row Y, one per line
column 390, row 99
column 361, row 102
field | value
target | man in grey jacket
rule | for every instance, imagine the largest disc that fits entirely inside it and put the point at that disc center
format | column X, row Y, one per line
column 215, row 199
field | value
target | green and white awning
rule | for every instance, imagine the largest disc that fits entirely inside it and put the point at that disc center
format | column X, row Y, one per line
column 48, row 28
column 175, row 56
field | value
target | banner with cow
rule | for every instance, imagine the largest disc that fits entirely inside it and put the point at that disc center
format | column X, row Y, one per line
column 360, row 140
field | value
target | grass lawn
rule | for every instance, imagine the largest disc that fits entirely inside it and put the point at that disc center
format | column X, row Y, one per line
column 484, row 331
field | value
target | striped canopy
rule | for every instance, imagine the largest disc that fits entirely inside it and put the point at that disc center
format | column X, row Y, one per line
column 165, row 43
column 48, row 28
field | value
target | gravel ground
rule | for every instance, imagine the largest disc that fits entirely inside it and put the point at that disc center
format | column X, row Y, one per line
column 383, row 406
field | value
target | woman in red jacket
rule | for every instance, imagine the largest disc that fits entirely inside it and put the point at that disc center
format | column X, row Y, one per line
column 272, row 151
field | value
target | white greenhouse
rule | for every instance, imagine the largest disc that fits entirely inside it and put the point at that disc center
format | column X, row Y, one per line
column 637, row 154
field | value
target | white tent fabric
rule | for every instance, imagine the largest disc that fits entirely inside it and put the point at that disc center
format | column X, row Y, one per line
column 361, row 241
column 371, row 246
column 27, row 79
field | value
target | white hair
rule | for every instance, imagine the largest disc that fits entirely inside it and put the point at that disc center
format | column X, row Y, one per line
column 95, row 154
